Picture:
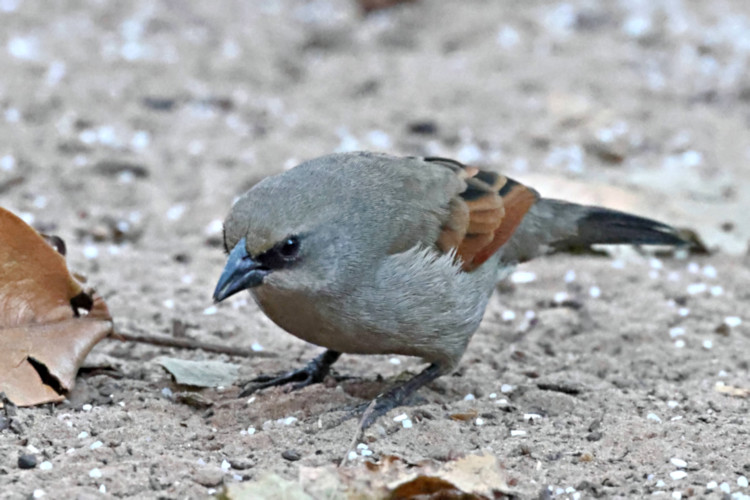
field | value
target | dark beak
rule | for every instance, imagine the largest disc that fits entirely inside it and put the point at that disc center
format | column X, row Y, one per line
column 240, row 273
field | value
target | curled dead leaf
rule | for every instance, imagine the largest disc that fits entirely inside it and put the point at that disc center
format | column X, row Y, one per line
column 48, row 322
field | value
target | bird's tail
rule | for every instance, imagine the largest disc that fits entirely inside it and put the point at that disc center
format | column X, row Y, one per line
column 555, row 225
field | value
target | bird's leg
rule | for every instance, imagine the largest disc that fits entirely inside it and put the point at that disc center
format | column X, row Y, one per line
column 394, row 397
column 312, row 373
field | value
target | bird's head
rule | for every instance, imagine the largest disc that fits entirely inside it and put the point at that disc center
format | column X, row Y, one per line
column 284, row 233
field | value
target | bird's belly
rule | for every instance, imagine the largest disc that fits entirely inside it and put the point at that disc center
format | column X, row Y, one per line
column 311, row 321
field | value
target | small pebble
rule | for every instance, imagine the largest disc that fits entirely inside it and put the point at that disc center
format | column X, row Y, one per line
column 696, row 288
column 570, row 276
column 676, row 331
column 732, row 321
column 95, row 473
column 290, row 455
column 400, row 418
column 508, row 315
column 469, row 397
column 506, row 388
column 493, row 395
column 707, row 344
column 678, row 462
column 352, row 455
column 717, row 290
column 522, row 277
column 210, row 310
column 683, row 311
column 654, row 417
column 256, row 347
column 394, row 361
column 407, row 424
column 38, row 493
column 27, row 461
column 742, row 482
column 517, row 433
column 725, row 487
column 676, row 475
column 479, row 422
column 711, row 485
column 87, row 407
column 96, row 444
column 595, row 292
column 225, row 465
column 677, row 495
column 679, row 344
column 46, row 465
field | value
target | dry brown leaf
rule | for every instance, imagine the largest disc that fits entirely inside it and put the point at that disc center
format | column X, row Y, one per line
column 474, row 477
column 43, row 340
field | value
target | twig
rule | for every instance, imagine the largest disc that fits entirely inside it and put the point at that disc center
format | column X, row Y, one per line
column 191, row 344
column 358, row 432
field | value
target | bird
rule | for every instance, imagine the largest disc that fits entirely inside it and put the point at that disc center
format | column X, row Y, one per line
column 369, row 253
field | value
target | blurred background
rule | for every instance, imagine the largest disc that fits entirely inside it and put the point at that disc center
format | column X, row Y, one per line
column 128, row 128
column 125, row 118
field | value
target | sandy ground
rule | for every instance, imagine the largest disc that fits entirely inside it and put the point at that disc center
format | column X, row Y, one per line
column 128, row 127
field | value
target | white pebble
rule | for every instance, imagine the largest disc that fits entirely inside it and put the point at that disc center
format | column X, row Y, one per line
column 166, row 392
column 225, row 465
column 394, row 361
column 362, row 446
column 39, row 493
column 679, row 343
column 683, row 311
column 366, row 453
column 7, row 163
column 95, row 473
column 717, row 290
column 678, row 462
column 87, row 407
column 660, row 483
column 742, row 482
column 693, row 267
column 709, row 271
column 676, row 331
column 407, row 424
column 522, row 277
column 506, row 388
column 595, row 292
column 570, row 276
column 517, row 433
column 46, row 465
column 255, row 346
column 479, row 422
column 529, row 314
column 655, row 263
column 210, row 310
column 676, row 475
column 725, row 487
column 654, row 417
column 696, row 288
column 96, row 444
column 379, row 139
column 214, row 227
column 508, row 315
column 469, row 397
column 102, row 488
column 289, row 420
column 83, row 435
column 493, row 395
column 711, row 485
column 531, row 417
column 707, row 344
column 250, row 431
column 400, row 418
column 175, row 211
column 560, row 297
column 352, row 455
column 673, row 404
column 32, row 449
column 732, row 321
column 168, row 303
column 90, row 252
column 677, row 495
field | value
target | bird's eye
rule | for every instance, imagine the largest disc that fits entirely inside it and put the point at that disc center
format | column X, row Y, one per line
column 289, row 248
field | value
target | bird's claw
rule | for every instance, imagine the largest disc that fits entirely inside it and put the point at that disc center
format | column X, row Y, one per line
column 312, row 373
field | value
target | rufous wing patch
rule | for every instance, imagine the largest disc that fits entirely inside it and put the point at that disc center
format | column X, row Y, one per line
column 484, row 216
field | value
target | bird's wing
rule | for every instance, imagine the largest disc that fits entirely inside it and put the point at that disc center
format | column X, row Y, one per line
column 484, row 216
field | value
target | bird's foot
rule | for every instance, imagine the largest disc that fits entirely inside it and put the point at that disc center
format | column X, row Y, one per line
column 312, row 373
column 393, row 398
